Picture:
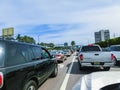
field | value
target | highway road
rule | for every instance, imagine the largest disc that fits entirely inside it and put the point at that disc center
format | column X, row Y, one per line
column 68, row 75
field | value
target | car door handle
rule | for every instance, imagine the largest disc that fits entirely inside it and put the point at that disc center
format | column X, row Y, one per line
column 96, row 54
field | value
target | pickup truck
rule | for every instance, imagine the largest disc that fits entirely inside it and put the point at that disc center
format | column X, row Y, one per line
column 115, row 49
column 93, row 56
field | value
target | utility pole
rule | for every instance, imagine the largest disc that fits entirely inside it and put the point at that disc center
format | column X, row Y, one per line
column 38, row 39
column 114, row 35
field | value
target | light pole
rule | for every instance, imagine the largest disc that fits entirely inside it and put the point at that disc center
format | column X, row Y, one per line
column 38, row 38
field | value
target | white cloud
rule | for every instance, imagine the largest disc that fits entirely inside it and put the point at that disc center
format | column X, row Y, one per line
column 95, row 14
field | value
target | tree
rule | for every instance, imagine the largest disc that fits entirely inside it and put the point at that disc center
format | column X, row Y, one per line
column 109, row 42
column 47, row 44
column 72, row 43
column 26, row 39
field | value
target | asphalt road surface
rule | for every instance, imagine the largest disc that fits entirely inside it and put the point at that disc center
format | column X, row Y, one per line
column 68, row 75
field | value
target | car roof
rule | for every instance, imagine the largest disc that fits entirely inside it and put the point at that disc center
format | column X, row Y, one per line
column 16, row 42
column 115, row 45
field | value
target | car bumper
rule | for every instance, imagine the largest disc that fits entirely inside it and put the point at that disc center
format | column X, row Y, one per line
column 91, row 64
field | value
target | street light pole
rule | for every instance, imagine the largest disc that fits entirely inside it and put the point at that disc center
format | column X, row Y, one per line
column 38, row 38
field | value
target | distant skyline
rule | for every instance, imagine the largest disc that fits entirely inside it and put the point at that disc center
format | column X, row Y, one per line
column 60, row 21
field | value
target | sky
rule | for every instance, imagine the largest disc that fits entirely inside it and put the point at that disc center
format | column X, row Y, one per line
column 60, row 21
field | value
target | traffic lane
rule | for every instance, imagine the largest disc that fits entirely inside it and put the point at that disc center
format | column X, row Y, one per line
column 76, row 74
column 55, row 83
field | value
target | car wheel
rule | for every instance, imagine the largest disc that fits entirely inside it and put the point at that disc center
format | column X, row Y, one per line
column 55, row 72
column 30, row 85
column 106, row 68
column 116, row 62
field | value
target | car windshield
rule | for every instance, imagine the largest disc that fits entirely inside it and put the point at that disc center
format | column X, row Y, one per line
column 115, row 86
column 53, row 52
column 115, row 48
column 66, row 50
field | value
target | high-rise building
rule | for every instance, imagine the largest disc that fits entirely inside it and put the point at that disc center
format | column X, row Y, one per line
column 102, row 35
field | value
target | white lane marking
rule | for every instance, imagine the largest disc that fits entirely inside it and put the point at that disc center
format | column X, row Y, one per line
column 64, row 84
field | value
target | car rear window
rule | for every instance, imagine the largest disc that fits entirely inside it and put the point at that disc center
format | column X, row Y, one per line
column 90, row 48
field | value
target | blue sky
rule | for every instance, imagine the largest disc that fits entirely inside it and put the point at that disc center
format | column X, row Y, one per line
column 60, row 21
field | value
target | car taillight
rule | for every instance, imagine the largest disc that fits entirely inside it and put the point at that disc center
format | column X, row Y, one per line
column 1, row 80
column 59, row 56
column 81, row 56
column 112, row 57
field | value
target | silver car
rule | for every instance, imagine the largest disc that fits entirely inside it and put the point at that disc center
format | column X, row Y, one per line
column 99, row 81
column 115, row 49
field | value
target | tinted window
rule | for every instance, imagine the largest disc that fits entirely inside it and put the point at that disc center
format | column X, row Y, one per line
column 90, row 48
column 115, row 86
column 37, row 53
column 2, row 54
column 45, row 54
column 26, row 52
column 115, row 48
column 15, row 55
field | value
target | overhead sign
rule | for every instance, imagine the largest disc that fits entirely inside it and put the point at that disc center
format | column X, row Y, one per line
column 8, row 31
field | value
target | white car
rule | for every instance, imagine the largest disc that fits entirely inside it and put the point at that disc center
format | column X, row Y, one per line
column 93, row 56
column 115, row 49
column 105, row 80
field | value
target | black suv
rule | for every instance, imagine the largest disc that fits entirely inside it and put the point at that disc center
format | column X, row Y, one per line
column 24, row 66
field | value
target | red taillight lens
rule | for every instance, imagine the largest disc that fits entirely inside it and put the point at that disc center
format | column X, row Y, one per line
column 59, row 56
column 112, row 57
column 1, row 80
column 81, row 57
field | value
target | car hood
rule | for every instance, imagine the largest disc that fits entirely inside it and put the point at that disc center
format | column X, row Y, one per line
column 97, row 80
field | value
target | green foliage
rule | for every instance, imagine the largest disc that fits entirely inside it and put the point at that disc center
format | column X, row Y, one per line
column 26, row 39
column 107, row 43
column 61, row 48
column 72, row 43
column 46, row 44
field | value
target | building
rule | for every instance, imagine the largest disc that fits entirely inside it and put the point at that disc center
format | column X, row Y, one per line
column 102, row 35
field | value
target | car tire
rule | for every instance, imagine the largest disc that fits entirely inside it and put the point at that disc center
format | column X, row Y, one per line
column 117, row 63
column 30, row 85
column 106, row 68
column 55, row 72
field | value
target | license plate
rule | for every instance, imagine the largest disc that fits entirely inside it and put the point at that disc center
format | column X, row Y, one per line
column 96, row 63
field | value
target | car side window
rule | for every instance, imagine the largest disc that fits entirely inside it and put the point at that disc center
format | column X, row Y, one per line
column 37, row 53
column 14, row 56
column 45, row 54
column 26, row 52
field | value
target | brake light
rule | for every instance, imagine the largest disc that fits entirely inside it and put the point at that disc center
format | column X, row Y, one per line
column 59, row 56
column 90, row 44
column 81, row 56
column 1, row 80
column 112, row 57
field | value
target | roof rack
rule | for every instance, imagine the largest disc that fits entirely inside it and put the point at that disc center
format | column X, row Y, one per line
column 7, row 38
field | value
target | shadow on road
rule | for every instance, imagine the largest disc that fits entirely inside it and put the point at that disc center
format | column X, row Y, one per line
column 75, row 69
